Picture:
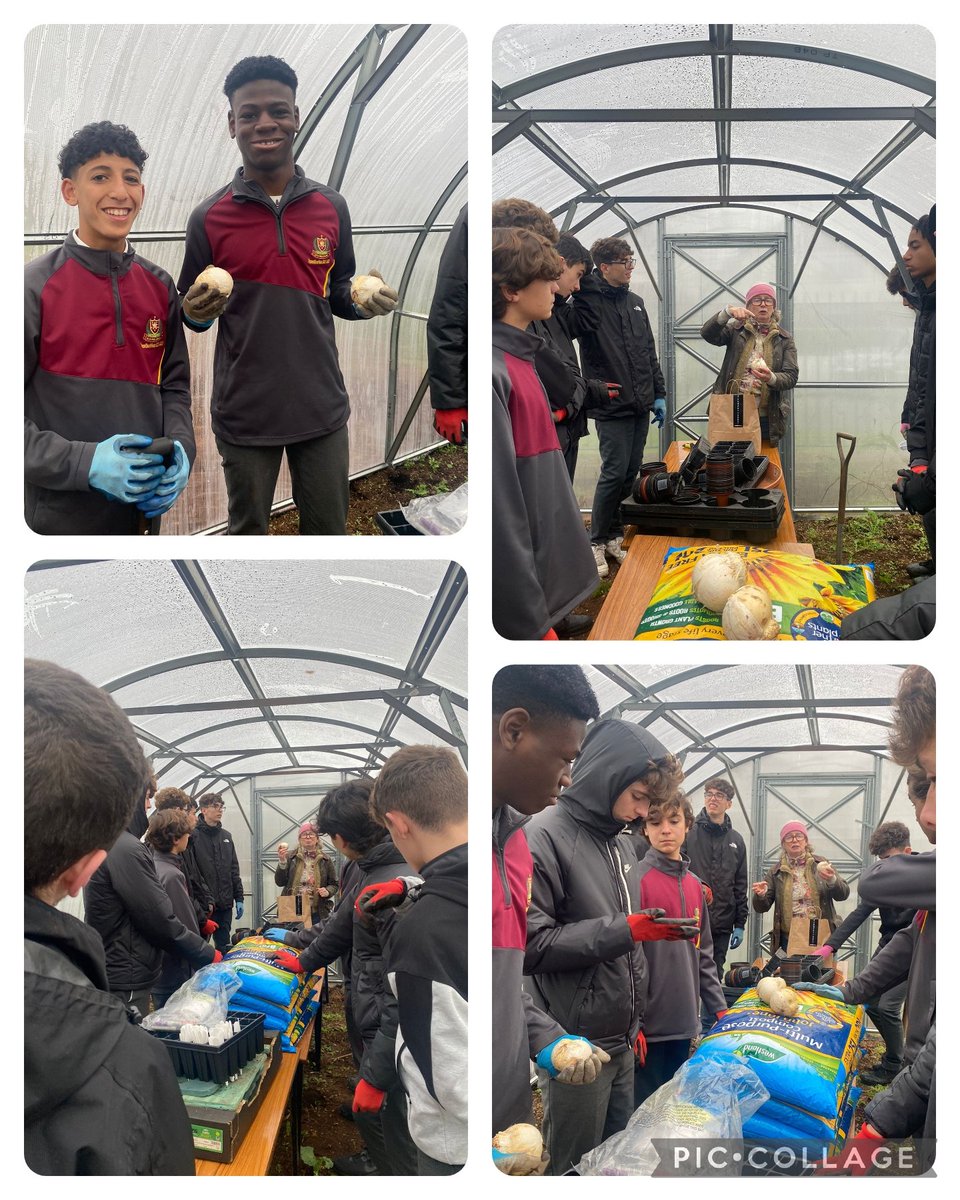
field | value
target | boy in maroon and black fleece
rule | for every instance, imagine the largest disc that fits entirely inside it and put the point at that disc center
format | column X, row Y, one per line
column 543, row 565
column 681, row 973
column 105, row 359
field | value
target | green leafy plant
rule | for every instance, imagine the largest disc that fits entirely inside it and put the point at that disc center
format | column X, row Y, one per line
column 319, row 1164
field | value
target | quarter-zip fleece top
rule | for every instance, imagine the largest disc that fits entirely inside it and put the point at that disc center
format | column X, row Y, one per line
column 276, row 374
column 104, row 353
column 681, row 973
column 586, row 970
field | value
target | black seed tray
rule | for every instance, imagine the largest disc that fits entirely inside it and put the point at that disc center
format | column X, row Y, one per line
column 215, row 1063
column 394, row 522
column 739, row 521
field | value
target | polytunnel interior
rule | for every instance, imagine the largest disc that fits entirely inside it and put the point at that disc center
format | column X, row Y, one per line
column 796, row 154
column 796, row 742
column 266, row 682
column 383, row 120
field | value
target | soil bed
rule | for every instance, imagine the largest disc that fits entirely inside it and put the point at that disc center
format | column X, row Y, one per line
column 439, row 470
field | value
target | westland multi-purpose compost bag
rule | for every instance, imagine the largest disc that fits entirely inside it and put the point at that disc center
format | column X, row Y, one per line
column 285, row 998
column 810, row 598
column 806, row 1062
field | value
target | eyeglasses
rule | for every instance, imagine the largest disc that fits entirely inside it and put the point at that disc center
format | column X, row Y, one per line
column 762, row 300
column 795, row 837
column 624, row 262
column 221, row 807
column 715, row 796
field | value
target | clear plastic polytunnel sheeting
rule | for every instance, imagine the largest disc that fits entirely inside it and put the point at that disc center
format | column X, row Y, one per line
column 383, row 120
column 267, row 682
column 804, row 743
column 795, row 154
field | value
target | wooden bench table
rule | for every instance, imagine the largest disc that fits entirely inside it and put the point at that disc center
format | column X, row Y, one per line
column 637, row 575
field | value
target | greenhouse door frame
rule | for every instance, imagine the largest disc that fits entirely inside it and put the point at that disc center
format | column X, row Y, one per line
column 676, row 336
column 797, row 792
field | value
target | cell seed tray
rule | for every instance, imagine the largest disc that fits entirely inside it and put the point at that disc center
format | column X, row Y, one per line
column 753, row 520
column 215, row 1063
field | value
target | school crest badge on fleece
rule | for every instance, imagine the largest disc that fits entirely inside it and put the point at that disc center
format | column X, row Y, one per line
column 320, row 255
column 153, row 334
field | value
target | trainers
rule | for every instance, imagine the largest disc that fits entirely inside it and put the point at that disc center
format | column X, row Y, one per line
column 354, row 1164
column 882, row 1073
column 573, row 625
column 600, row 558
column 615, row 550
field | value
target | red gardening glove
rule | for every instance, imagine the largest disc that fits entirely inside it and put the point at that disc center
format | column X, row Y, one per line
column 640, row 1049
column 722, row 1013
column 707, row 892
column 451, row 423
column 367, row 1098
column 208, row 928
column 377, row 896
column 559, row 414
column 287, row 961
column 550, row 636
column 857, row 1155
column 217, row 956
column 650, row 925
column 613, row 390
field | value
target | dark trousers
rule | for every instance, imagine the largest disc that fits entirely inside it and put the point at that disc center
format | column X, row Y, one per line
column 721, row 944
column 886, row 1012
column 930, row 529
column 621, row 453
column 569, row 448
column 431, row 1166
column 664, row 1060
column 224, row 919
column 319, row 469
column 578, row 1117
column 386, row 1136
column 140, row 1000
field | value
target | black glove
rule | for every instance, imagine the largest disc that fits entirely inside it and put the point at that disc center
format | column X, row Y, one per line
column 914, row 490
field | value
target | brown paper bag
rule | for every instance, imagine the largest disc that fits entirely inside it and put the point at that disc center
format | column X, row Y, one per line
column 734, row 418
column 807, row 934
column 292, row 908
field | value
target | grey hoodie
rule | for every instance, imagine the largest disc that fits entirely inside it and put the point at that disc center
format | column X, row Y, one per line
column 586, row 970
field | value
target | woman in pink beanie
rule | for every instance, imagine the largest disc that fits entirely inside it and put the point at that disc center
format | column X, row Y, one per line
column 761, row 358
column 801, row 884
column 308, row 872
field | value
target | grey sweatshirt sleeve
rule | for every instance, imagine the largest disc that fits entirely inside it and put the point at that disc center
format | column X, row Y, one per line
column 889, row 966
column 903, row 881
column 541, row 1029
column 901, row 1109
column 711, row 990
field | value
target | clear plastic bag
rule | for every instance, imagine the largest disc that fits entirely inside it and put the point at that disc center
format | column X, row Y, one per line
column 202, row 1000
column 707, row 1098
column 440, row 514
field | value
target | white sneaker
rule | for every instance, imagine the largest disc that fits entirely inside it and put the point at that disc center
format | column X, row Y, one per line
column 600, row 559
column 615, row 549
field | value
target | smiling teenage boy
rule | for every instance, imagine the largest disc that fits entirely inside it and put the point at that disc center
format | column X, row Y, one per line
column 287, row 242
column 106, row 367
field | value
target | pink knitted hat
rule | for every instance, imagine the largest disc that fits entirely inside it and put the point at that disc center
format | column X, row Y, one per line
column 793, row 827
column 307, row 827
column 761, row 289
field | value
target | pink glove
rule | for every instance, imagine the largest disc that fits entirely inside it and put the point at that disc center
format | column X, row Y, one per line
column 824, row 951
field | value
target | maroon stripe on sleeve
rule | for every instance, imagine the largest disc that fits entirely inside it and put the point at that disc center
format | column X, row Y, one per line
column 533, row 429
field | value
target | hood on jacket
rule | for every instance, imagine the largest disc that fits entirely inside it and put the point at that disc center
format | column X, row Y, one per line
column 382, row 854
column 138, row 822
column 446, row 876
column 715, row 830
column 614, row 754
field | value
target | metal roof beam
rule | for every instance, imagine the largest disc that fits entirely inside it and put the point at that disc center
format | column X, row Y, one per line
column 809, row 692
column 726, row 285
column 351, row 125
column 693, row 116
column 721, row 66
column 711, row 704
column 405, row 43
column 278, row 701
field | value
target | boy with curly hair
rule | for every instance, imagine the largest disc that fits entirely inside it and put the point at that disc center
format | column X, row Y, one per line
column 106, row 365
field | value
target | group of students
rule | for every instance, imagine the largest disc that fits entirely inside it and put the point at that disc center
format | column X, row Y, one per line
column 106, row 366
column 101, row 1096
column 602, row 932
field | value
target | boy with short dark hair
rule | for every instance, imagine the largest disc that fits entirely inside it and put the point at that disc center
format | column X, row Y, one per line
column 84, row 775
column 106, row 368
column 543, row 566
column 681, row 974
column 287, row 241
column 421, row 798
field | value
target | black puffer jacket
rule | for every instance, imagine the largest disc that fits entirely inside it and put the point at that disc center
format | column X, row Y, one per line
column 196, row 884
column 100, row 1094
column 586, row 970
column 718, row 855
column 447, row 323
column 921, row 362
column 616, row 344
column 216, row 856
column 125, row 903
column 374, row 1005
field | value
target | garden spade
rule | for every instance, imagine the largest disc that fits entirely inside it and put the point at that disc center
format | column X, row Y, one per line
column 842, row 502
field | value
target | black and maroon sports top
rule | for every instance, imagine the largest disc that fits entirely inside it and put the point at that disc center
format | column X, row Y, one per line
column 104, row 353
column 276, row 376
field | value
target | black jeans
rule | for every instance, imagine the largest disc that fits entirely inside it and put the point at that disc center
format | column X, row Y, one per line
column 664, row 1060
column 224, row 919
column 621, row 453
column 386, row 1136
column 319, row 469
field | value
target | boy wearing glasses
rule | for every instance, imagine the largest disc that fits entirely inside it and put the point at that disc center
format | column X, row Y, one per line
column 616, row 345
column 216, row 857
column 761, row 357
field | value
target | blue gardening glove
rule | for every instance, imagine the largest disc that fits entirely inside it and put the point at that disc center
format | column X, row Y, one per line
column 172, row 482
column 821, row 989
column 120, row 473
column 239, row 909
column 584, row 1070
column 659, row 412
column 279, row 935
column 736, row 938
